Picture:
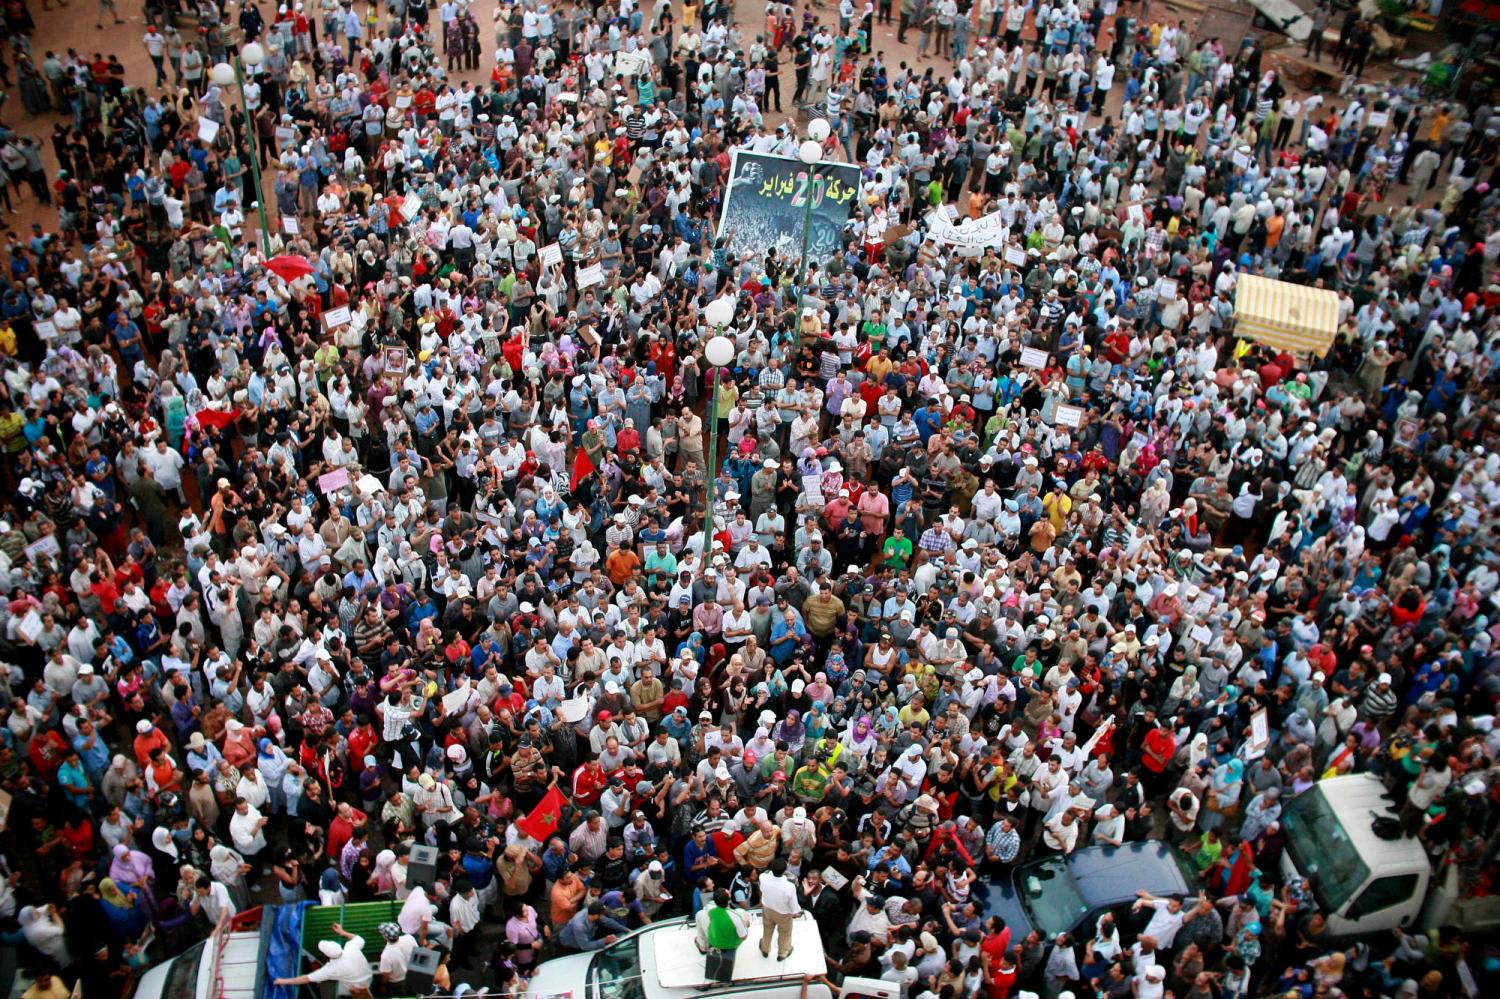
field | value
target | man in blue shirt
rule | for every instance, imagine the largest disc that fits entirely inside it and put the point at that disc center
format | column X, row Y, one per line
column 92, row 751
column 74, row 781
column 581, row 932
column 422, row 609
column 699, row 859
column 927, row 418
column 360, row 578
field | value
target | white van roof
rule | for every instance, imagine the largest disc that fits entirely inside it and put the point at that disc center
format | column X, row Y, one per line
column 1356, row 800
column 233, row 974
column 679, row 963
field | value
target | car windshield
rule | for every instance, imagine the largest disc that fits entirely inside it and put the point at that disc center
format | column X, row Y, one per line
column 1320, row 847
column 615, row 972
column 1051, row 898
column 182, row 978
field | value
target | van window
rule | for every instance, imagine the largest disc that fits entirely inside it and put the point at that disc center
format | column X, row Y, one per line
column 1382, row 894
column 182, row 979
column 1322, row 850
column 615, row 971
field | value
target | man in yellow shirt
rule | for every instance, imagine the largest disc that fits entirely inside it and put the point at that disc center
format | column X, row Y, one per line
column 1058, row 505
column 12, row 432
column 915, row 713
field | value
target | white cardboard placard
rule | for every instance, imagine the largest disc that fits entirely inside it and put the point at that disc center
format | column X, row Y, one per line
column 1031, row 357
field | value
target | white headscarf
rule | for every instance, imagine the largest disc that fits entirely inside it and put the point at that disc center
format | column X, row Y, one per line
column 162, row 840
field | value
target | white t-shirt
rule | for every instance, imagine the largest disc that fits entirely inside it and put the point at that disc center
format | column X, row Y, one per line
column 1164, row 924
column 396, row 957
column 248, row 839
column 416, row 911
column 350, row 966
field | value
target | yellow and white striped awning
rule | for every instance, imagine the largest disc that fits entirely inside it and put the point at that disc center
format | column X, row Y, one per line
column 1290, row 316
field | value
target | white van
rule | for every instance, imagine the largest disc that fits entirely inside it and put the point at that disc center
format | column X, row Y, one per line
column 225, row 966
column 662, row 961
column 1363, row 882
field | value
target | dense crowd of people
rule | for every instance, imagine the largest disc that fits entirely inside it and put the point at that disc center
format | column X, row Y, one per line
column 371, row 529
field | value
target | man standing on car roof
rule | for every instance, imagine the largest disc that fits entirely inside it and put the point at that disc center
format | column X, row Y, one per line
column 721, row 930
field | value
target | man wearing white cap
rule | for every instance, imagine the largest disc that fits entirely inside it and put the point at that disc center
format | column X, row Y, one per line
column 344, row 963
column 911, row 769
column 799, row 832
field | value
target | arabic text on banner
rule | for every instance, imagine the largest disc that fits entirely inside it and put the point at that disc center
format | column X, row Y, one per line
column 767, row 200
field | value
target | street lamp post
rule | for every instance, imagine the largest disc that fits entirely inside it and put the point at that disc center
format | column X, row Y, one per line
column 811, row 154
column 226, row 75
column 718, row 352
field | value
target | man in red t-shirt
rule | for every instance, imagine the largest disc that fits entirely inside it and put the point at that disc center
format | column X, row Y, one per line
column 1156, row 756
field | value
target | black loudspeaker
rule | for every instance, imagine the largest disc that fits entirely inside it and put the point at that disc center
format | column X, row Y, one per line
column 718, row 965
column 420, row 972
column 421, row 867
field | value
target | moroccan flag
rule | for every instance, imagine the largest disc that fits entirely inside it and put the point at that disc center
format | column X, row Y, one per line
column 542, row 822
column 582, row 469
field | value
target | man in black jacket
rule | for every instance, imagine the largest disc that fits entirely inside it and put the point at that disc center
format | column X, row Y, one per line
column 826, row 908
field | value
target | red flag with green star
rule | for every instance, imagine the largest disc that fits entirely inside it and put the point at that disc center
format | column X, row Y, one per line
column 543, row 820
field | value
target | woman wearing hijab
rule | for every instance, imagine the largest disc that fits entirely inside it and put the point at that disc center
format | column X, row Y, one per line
column 1183, row 690
column 239, row 744
column 124, row 911
column 907, row 689
column 228, row 868
column 195, row 847
column 819, row 691
column 271, row 761
column 331, row 889
column 44, row 931
column 888, row 721
column 859, row 740
column 382, row 878
column 413, row 571
column 761, row 743
column 1223, row 799
column 165, row 861
column 791, row 731
column 361, row 879
column 132, row 868
column 815, row 724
